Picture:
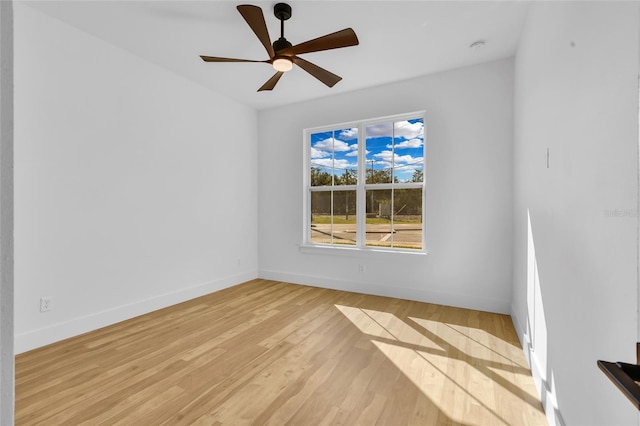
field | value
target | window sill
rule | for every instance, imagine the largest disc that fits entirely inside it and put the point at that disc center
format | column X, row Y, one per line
column 359, row 252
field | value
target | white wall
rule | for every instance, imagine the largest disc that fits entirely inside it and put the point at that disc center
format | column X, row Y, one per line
column 576, row 91
column 7, row 388
column 469, row 190
column 134, row 189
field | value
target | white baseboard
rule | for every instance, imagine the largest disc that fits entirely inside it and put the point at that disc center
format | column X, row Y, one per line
column 62, row 330
column 458, row 300
column 522, row 335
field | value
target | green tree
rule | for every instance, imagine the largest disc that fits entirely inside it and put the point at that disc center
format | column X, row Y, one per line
column 418, row 176
column 319, row 177
column 349, row 177
column 407, row 201
column 379, row 176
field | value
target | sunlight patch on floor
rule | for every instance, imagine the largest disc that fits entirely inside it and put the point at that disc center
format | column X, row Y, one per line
column 435, row 384
column 364, row 322
column 467, row 372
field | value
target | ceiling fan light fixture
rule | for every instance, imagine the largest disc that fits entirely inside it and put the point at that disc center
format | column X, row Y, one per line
column 282, row 64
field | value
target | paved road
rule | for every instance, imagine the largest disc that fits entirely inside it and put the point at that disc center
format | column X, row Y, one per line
column 377, row 234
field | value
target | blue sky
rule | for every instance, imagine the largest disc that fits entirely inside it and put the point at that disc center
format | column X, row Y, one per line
column 338, row 150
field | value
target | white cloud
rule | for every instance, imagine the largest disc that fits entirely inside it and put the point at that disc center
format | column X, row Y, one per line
column 325, row 163
column 407, row 159
column 382, row 129
column 388, row 157
column 409, row 130
column 351, row 133
column 385, row 156
column 330, row 144
column 402, row 129
column 344, row 164
column 411, row 143
column 316, row 153
column 329, row 163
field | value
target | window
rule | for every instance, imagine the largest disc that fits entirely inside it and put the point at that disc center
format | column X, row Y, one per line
column 364, row 184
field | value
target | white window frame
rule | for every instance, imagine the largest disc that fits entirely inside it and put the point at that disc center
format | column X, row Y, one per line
column 361, row 188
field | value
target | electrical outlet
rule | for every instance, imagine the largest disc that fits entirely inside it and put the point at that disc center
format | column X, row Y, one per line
column 45, row 304
column 360, row 268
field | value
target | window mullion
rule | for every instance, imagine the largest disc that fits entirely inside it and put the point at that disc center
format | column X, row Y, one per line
column 333, row 180
column 393, row 181
column 332, row 217
column 361, row 206
column 391, row 214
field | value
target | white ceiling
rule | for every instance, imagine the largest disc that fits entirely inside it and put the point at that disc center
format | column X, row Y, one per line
column 398, row 39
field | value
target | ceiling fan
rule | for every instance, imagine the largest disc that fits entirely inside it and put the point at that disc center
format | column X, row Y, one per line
column 282, row 54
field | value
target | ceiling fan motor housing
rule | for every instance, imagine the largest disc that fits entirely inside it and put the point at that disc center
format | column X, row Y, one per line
column 282, row 11
column 280, row 44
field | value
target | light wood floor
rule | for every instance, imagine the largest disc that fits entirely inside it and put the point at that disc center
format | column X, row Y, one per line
column 266, row 352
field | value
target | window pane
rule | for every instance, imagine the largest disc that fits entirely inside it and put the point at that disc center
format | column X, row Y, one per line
column 345, row 153
column 344, row 217
column 407, row 220
column 394, row 218
column 320, row 232
column 379, row 157
column 334, row 154
column 408, row 150
column 378, row 225
column 321, row 158
column 333, row 221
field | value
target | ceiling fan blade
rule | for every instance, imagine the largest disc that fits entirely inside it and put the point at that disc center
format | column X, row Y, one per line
column 218, row 59
column 271, row 83
column 328, row 78
column 254, row 17
column 342, row 38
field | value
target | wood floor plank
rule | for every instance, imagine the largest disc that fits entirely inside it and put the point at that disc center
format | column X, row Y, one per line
column 273, row 353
